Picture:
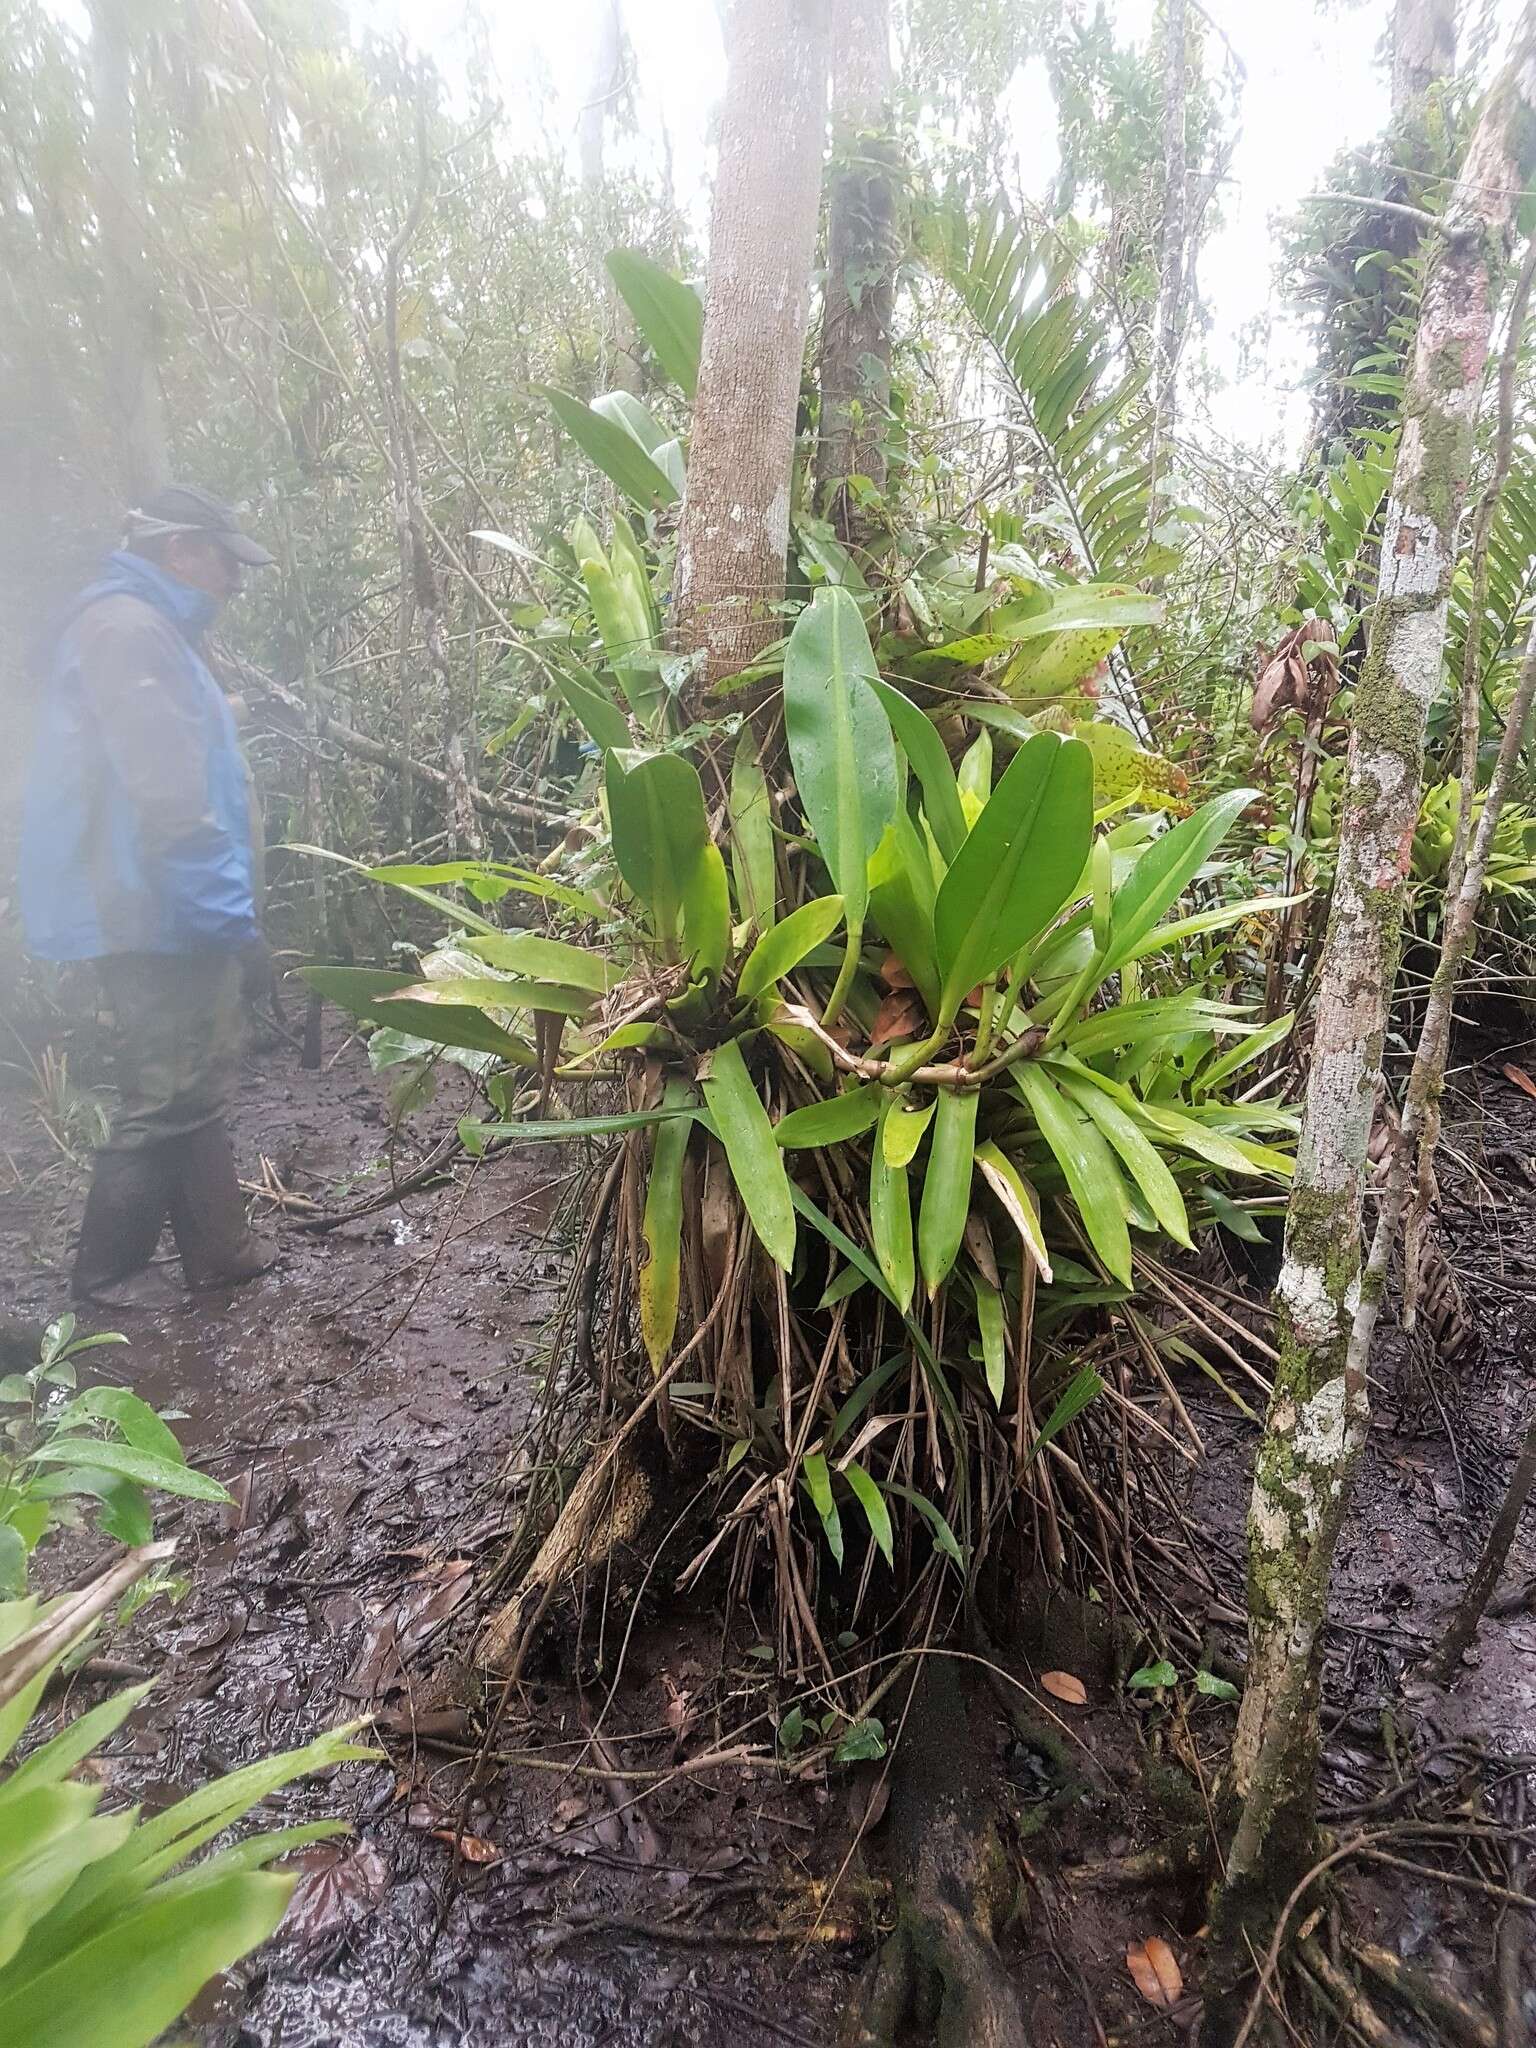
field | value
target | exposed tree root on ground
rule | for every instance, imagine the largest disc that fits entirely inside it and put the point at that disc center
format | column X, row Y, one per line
column 939, row 1978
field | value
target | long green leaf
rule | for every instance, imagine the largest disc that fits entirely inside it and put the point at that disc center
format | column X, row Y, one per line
column 615, row 451
column 490, row 992
column 990, row 1322
column 756, row 1163
column 361, row 992
column 890, row 1221
column 590, row 703
column 530, row 953
column 1210, row 921
column 872, row 1500
column 779, row 951
column 840, row 742
column 707, row 916
column 557, row 1129
column 832, row 1122
column 1088, row 1165
column 926, row 751
column 56, row 1758
column 818, row 1484
column 946, row 1185
column 662, row 1230
column 1140, row 1156
column 660, row 831
column 1017, row 867
column 901, row 899
column 669, row 313
column 751, row 814
column 127, row 1985
column 1167, row 868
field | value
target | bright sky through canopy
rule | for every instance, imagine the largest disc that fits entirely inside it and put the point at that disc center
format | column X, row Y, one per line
column 1314, row 86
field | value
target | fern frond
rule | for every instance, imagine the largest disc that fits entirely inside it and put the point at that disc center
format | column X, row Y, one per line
column 1088, row 419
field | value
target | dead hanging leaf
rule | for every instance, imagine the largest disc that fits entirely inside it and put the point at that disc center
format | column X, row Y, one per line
column 473, row 1848
column 901, row 1015
column 1061, row 1685
column 893, row 972
column 1156, row 1971
column 1520, row 1078
column 1302, row 674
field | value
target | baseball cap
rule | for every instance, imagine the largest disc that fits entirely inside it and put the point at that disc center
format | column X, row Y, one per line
column 183, row 508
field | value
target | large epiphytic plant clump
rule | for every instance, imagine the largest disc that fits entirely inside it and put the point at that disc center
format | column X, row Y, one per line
column 914, row 1069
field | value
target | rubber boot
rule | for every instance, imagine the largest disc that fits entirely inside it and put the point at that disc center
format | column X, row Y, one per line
column 124, row 1211
column 217, row 1246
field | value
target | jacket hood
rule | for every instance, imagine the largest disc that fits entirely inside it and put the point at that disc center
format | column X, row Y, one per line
column 123, row 574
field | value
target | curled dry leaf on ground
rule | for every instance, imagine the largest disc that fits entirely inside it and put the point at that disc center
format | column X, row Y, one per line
column 1155, row 1970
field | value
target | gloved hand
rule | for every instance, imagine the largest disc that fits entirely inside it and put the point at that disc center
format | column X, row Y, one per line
column 258, row 976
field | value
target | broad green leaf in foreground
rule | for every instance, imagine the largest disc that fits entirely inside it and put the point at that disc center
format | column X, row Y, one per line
column 1017, row 866
column 839, row 742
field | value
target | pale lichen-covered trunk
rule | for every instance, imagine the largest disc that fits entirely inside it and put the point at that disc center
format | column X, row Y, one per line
column 1319, row 1412
column 127, row 299
column 863, row 249
column 1423, row 48
column 735, row 521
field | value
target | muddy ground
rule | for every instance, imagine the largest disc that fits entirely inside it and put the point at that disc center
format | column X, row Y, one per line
column 366, row 1403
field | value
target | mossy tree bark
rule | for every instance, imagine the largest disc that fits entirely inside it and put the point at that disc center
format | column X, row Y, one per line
column 735, row 520
column 863, row 250
column 1319, row 1412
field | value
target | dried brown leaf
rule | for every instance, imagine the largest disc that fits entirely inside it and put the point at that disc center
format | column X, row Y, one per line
column 1520, row 1078
column 1061, row 1685
column 1155, row 1969
column 901, row 1015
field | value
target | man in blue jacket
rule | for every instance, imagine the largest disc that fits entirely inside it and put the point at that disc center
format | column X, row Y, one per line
column 138, row 852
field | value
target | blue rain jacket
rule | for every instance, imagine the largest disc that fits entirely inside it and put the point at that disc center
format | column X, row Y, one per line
column 136, row 835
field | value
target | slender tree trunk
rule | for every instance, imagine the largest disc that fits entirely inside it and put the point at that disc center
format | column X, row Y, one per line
column 1319, row 1412
column 1170, row 291
column 735, row 520
column 1491, row 1564
column 127, row 299
column 863, row 249
column 1423, row 48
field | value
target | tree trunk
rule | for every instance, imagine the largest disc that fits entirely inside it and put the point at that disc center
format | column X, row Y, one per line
column 1423, row 48
column 1319, row 1412
column 127, row 299
column 1170, row 291
column 735, row 520
column 863, row 248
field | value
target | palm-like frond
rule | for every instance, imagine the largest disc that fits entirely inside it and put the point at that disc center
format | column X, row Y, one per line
column 1510, row 609
column 1086, row 414
column 1337, row 579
